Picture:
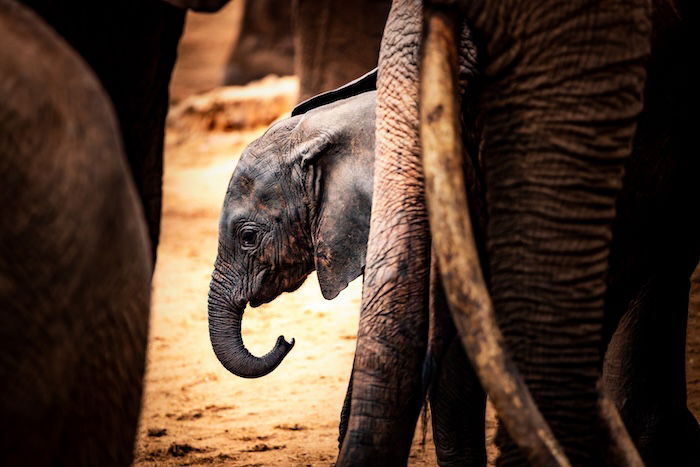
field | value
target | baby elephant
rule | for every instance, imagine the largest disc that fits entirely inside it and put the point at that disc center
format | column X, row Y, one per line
column 299, row 199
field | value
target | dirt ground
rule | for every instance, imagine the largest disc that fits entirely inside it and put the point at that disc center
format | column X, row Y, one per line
column 195, row 412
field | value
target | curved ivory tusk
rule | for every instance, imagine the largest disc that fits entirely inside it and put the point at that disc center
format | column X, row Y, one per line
column 468, row 298
column 620, row 450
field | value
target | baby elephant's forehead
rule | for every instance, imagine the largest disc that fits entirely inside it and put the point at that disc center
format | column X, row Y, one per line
column 264, row 177
column 261, row 191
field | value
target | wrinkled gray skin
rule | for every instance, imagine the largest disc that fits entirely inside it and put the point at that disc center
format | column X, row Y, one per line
column 74, row 260
column 299, row 199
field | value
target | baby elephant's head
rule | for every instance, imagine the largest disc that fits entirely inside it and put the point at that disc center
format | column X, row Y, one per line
column 299, row 199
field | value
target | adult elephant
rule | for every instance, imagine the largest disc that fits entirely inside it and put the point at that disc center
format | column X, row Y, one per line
column 556, row 105
column 326, row 43
column 335, row 41
column 264, row 44
column 75, row 262
column 131, row 46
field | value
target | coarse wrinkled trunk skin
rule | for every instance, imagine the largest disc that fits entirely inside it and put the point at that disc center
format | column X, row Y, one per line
column 559, row 106
column 225, row 313
column 391, row 345
column 456, row 252
column 131, row 45
column 655, row 249
column 450, row 224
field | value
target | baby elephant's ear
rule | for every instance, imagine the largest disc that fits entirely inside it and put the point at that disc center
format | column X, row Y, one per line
column 307, row 152
column 340, row 245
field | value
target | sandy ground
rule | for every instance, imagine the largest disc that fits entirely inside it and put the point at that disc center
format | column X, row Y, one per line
column 195, row 412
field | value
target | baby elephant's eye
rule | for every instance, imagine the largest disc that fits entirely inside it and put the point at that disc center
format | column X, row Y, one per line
column 249, row 237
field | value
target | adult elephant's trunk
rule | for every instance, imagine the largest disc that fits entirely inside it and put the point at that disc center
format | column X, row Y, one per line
column 225, row 316
column 468, row 298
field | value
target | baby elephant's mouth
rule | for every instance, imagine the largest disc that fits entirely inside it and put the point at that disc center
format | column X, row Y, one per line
column 256, row 303
column 295, row 285
column 266, row 296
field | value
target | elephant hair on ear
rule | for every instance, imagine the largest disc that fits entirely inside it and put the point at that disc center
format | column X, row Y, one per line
column 366, row 82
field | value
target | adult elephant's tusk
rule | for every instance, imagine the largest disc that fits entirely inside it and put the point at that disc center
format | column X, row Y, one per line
column 620, row 448
column 468, row 298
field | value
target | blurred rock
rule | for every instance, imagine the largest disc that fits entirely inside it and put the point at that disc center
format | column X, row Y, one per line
column 232, row 108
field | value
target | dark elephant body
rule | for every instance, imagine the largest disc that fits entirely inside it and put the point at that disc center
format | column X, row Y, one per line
column 554, row 127
column 335, row 41
column 131, row 45
column 655, row 248
column 264, row 44
column 326, row 43
column 75, row 262
column 642, row 365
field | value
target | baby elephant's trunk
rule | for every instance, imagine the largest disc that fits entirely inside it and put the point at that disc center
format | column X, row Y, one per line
column 225, row 316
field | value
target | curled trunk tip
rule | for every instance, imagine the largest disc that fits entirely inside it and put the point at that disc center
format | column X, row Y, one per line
column 227, row 342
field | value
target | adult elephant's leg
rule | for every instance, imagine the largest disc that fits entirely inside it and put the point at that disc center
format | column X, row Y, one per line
column 131, row 45
column 335, row 41
column 645, row 373
column 345, row 413
column 457, row 401
column 457, row 406
column 656, row 247
column 264, row 44
column 391, row 346
column 559, row 107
